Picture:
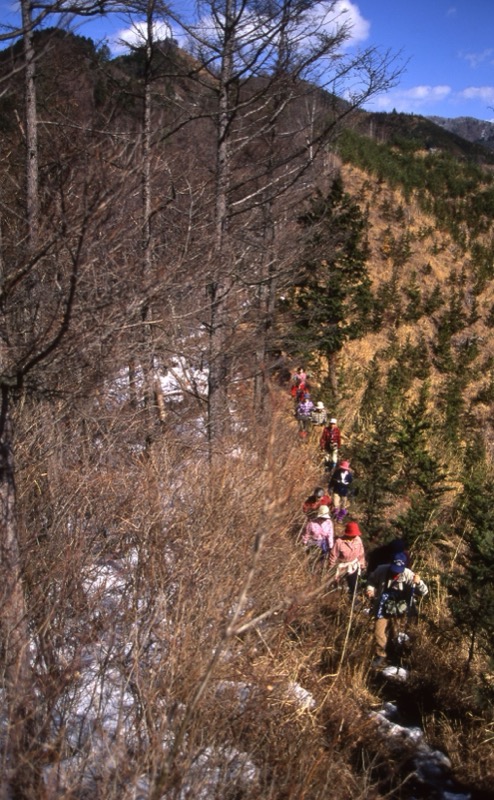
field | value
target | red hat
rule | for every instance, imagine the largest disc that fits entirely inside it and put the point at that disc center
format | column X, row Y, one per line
column 352, row 529
column 345, row 464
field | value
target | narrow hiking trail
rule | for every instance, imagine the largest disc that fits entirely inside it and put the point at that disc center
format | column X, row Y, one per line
column 425, row 773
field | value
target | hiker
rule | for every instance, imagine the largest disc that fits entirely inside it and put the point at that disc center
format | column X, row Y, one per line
column 339, row 486
column 299, row 382
column 303, row 416
column 315, row 500
column 392, row 588
column 319, row 414
column 301, row 393
column 318, row 533
column 330, row 443
column 348, row 556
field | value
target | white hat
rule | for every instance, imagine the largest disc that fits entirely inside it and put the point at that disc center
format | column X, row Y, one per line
column 319, row 404
column 323, row 511
column 333, row 419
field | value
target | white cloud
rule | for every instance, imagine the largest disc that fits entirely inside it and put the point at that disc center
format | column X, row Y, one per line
column 136, row 35
column 327, row 17
column 323, row 17
column 475, row 59
column 415, row 99
column 483, row 93
column 428, row 94
column 423, row 99
column 350, row 13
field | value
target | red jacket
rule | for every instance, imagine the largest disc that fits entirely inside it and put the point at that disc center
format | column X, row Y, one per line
column 330, row 438
column 312, row 504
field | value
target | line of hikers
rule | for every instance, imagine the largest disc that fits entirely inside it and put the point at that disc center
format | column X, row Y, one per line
column 390, row 583
column 314, row 417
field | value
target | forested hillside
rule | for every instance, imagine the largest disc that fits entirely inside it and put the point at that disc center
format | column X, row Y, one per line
column 180, row 228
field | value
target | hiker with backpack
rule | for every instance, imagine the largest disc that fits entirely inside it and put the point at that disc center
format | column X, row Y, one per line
column 348, row 557
column 318, row 535
column 392, row 589
column 303, row 413
column 339, row 486
column 314, row 501
column 318, row 419
column 319, row 414
column 330, row 443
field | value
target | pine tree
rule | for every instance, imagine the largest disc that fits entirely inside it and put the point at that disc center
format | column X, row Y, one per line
column 375, row 465
column 421, row 476
column 472, row 588
column 331, row 299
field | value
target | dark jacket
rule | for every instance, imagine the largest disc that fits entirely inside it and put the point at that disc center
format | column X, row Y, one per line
column 340, row 482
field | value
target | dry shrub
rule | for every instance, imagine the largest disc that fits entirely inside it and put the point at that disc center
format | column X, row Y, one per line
column 468, row 743
column 455, row 716
column 225, row 648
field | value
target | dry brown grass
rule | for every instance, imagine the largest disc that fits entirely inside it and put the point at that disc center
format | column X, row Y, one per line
column 218, row 626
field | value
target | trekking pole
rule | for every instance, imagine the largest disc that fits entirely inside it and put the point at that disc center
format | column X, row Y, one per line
column 335, row 675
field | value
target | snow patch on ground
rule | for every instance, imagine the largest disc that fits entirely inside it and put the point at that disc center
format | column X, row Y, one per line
column 431, row 767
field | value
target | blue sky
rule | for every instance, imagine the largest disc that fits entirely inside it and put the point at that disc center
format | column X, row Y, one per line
column 447, row 48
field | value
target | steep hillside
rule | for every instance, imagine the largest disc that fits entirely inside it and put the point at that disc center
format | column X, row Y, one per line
column 473, row 130
column 430, row 264
column 164, row 632
column 414, row 132
column 426, row 276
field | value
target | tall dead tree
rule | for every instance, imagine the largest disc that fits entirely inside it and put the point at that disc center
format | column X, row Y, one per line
column 262, row 61
column 40, row 269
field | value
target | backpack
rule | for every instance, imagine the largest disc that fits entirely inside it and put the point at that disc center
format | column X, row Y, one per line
column 393, row 606
column 395, row 602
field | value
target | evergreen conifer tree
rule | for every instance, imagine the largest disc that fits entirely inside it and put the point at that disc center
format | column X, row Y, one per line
column 331, row 299
column 421, row 476
column 375, row 465
column 472, row 587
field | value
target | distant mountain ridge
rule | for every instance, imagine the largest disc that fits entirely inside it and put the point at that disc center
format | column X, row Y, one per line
column 478, row 131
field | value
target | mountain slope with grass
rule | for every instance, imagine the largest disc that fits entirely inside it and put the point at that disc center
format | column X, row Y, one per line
column 409, row 379
column 167, row 637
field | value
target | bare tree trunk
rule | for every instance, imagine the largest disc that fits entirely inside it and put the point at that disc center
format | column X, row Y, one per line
column 153, row 390
column 267, row 294
column 218, row 288
column 19, row 772
column 32, row 184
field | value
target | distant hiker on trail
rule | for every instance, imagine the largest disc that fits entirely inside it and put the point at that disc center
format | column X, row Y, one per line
column 318, row 533
column 302, row 392
column 303, row 414
column 348, row 556
column 339, row 486
column 330, row 443
column 392, row 588
column 319, row 415
column 319, row 420
column 317, row 499
column 299, row 381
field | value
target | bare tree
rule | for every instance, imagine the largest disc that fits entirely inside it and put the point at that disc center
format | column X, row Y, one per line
column 260, row 64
